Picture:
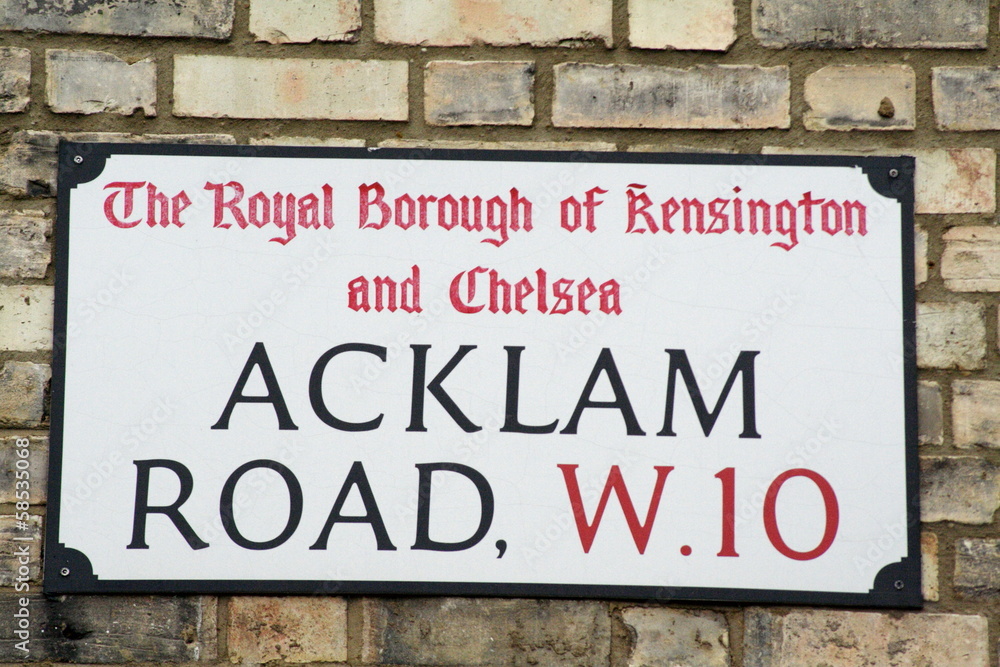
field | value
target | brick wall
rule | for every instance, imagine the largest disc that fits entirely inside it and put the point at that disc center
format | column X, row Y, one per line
column 771, row 76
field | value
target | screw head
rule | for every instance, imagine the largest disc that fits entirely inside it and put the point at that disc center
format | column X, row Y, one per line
column 78, row 159
column 899, row 584
column 893, row 173
column 64, row 572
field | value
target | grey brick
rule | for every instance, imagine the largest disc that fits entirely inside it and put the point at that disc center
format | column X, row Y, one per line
column 934, row 24
column 177, row 18
column 930, row 420
column 15, row 79
column 113, row 629
column 479, row 93
column 89, row 82
column 736, row 97
column 963, row 489
column 951, row 335
column 847, row 638
column 977, row 568
column 975, row 420
column 22, row 393
column 24, row 248
column 966, row 98
column 480, row 632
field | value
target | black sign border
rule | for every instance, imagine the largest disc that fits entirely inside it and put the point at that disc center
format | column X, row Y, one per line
column 67, row 570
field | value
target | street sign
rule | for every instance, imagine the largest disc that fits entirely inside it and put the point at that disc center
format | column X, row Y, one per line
column 484, row 373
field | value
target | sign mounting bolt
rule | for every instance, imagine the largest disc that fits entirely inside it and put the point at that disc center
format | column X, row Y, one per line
column 78, row 159
column 893, row 173
column 64, row 572
column 899, row 584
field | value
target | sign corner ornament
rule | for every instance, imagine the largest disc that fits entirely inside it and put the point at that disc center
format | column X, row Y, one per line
column 655, row 376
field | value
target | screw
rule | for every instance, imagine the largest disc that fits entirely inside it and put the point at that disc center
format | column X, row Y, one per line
column 64, row 572
column 893, row 173
column 899, row 585
column 78, row 159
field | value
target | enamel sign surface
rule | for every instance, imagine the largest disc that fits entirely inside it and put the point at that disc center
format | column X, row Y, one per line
column 484, row 373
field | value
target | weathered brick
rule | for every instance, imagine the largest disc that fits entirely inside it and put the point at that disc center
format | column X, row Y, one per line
column 15, row 79
column 919, row 256
column 975, row 418
column 29, row 167
column 477, row 632
column 958, row 24
column 675, row 148
column 22, row 393
column 479, row 93
column 281, row 21
column 290, row 629
column 662, row 636
column 957, row 180
column 966, row 98
column 16, row 535
column 733, row 97
column 861, row 97
column 118, row 629
column 500, row 23
column 826, row 637
column 947, row 180
column 951, row 335
column 333, row 142
column 971, row 259
column 89, row 82
column 202, row 138
column 929, row 567
column 177, row 18
column 26, row 317
column 977, row 568
column 231, row 87
column 930, row 421
column 597, row 146
column 964, row 489
column 24, row 250
column 686, row 25
column 38, row 463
